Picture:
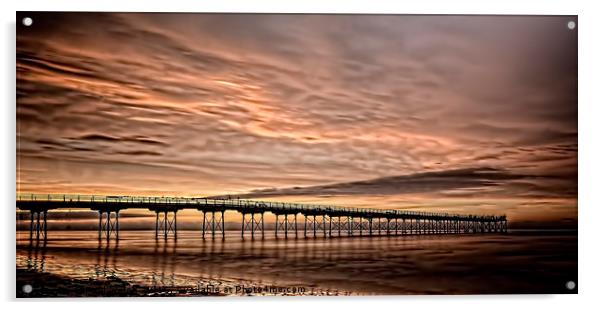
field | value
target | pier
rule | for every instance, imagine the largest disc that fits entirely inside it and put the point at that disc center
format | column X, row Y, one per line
column 293, row 220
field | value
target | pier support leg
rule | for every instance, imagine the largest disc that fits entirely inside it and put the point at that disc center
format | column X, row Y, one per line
column 45, row 224
column 286, row 226
column 108, row 225
column 38, row 226
column 117, row 224
column 213, row 224
column 242, row 226
column 305, row 226
column 212, row 221
column 350, row 226
column 252, row 225
column 31, row 216
column 403, row 226
column 204, row 220
column 223, row 225
column 388, row 226
column 276, row 230
column 165, row 225
column 100, row 226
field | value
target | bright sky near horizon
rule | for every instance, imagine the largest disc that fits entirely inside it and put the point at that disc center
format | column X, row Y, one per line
column 450, row 113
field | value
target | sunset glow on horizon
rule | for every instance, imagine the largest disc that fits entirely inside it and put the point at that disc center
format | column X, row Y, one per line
column 461, row 114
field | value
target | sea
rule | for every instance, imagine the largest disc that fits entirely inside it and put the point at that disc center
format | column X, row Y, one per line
column 518, row 262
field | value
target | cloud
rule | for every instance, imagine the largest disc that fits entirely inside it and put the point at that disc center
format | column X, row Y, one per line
column 482, row 181
column 232, row 103
column 106, row 138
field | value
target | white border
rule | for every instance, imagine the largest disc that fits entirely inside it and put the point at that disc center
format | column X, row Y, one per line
column 590, row 120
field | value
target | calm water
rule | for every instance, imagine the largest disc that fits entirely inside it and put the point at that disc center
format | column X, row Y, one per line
column 519, row 262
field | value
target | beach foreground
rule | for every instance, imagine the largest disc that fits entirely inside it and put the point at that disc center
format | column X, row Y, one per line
column 34, row 284
column 76, row 264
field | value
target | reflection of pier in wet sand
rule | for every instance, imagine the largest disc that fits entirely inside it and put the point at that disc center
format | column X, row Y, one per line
column 317, row 220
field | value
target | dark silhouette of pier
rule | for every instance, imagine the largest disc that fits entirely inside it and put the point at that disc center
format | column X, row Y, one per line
column 317, row 220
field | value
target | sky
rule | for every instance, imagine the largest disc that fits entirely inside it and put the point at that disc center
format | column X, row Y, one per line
column 466, row 114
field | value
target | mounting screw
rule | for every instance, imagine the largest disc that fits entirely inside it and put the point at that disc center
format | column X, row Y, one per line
column 27, row 21
column 571, row 25
column 27, row 289
column 571, row 285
